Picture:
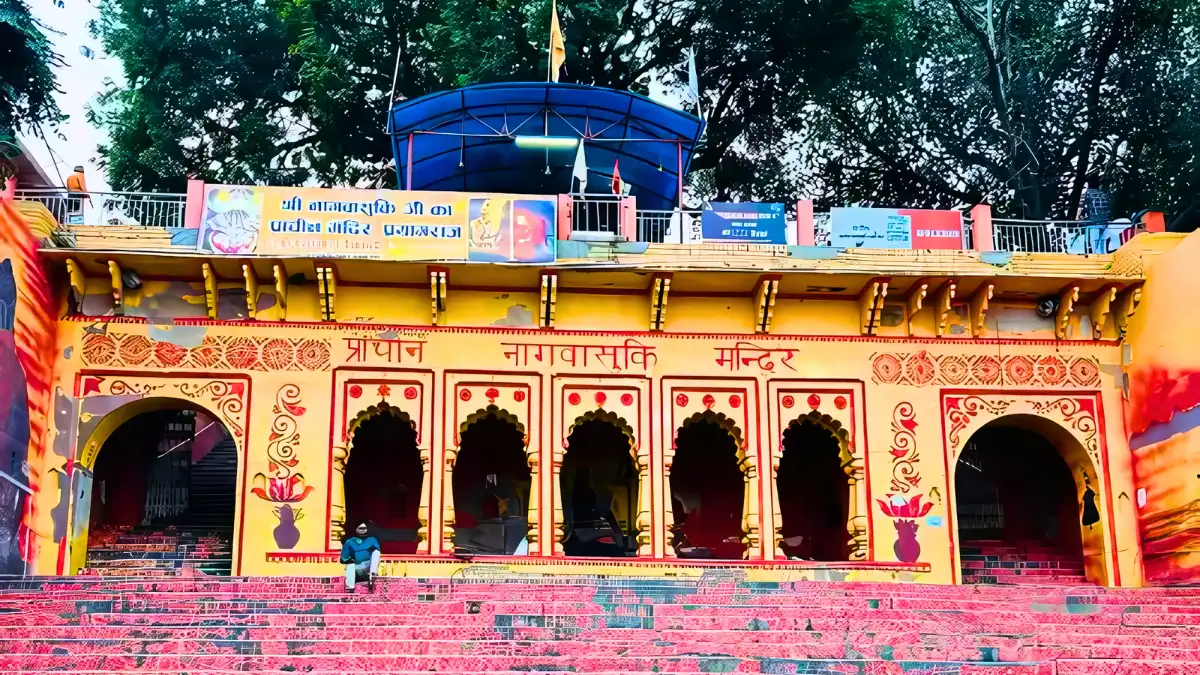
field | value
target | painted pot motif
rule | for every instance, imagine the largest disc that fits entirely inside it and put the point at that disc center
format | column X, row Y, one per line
column 287, row 535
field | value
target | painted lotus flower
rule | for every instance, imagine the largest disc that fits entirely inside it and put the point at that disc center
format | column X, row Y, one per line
column 897, row 507
column 281, row 490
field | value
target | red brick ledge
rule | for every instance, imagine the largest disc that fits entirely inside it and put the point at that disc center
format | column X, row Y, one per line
column 648, row 564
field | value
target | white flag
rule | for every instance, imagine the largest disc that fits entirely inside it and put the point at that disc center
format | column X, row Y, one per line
column 694, row 81
column 581, row 169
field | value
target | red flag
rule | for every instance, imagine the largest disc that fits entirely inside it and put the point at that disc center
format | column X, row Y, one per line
column 617, row 184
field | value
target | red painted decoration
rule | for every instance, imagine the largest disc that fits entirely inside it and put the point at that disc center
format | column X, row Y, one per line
column 626, row 399
column 410, row 393
column 681, row 400
column 384, row 391
column 735, row 401
column 840, row 403
column 355, row 391
column 464, row 395
column 788, row 402
column 709, row 401
column 814, row 401
column 573, row 399
column 519, row 396
column 601, row 398
column 492, row 394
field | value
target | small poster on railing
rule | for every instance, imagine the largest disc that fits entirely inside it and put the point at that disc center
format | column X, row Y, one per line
column 744, row 222
column 856, row 227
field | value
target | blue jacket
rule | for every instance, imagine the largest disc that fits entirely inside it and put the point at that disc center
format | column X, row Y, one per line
column 358, row 549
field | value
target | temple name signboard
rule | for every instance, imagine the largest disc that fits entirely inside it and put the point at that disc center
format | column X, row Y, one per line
column 377, row 224
column 855, row 227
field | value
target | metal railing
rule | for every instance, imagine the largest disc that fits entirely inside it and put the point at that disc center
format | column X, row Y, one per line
column 596, row 216
column 674, row 227
column 1058, row 236
column 146, row 209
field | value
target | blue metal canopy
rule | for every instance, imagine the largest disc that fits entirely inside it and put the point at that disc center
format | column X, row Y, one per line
column 463, row 140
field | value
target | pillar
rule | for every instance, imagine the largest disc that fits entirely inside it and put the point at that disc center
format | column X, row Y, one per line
column 448, row 498
column 193, row 207
column 806, row 233
column 856, row 520
column 642, row 523
column 751, row 515
column 981, row 228
column 533, row 511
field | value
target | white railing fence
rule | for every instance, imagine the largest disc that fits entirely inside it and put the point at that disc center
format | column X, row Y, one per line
column 596, row 216
column 147, row 209
column 1058, row 236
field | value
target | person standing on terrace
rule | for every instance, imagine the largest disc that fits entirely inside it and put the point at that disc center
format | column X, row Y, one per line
column 76, row 193
column 360, row 555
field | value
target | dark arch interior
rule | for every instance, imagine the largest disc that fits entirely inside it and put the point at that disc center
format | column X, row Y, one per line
column 383, row 482
column 163, row 494
column 708, row 491
column 1017, row 513
column 491, row 488
column 599, row 486
column 814, row 494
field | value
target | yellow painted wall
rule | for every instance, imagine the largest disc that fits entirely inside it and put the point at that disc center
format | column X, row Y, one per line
column 472, row 355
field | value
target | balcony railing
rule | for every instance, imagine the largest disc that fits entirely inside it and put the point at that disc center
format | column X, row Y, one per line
column 596, row 217
column 160, row 210
column 670, row 227
column 1060, row 236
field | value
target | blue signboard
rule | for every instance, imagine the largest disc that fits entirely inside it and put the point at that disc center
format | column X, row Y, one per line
column 744, row 222
column 869, row 228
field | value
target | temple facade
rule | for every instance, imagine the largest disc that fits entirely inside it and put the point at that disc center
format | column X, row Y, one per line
column 862, row 415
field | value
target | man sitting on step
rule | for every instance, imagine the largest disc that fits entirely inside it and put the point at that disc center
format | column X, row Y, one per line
column 360, row 555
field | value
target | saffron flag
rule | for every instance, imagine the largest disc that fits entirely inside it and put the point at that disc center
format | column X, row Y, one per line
column 581, row 169
column 558, row 48
column 618, row 185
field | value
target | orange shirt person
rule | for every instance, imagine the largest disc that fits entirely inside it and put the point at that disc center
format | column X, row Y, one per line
column 76, row 193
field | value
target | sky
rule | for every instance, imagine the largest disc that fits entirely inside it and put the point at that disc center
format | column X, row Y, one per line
column 80, row 79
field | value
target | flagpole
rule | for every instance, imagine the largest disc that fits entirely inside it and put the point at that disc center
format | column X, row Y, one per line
column 550, row 48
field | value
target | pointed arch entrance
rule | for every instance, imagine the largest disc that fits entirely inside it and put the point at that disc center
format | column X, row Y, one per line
column 599, row 485
column 1025, row 503
column 813, row 490
column 709, row 489
column 491, row 484
column 1028, row 488
column 382, row 472
column 154, row 473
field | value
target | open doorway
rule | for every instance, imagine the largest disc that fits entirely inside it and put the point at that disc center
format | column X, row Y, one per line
column 161, row 496
column 1023, row 512
column 491, row 484
column 813, row 492
column 599, row 486
column 383, row 481
column 708, row 492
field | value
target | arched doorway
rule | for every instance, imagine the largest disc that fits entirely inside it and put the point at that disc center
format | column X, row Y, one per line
column 491, row 485
column 813, row 491
column 599, row 488
column 383, row 479
column 1026, row 505
column 160, row 492
column 708, row 490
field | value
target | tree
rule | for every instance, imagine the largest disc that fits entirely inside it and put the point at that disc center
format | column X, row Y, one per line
column 27, row 80
column 208, row 90
column 1012, row 102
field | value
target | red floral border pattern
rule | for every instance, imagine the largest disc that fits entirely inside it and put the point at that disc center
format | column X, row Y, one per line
column 216, row 352
column 921, row 369
column 905, row 474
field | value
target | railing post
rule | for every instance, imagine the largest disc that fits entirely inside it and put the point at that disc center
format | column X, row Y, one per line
column 628, row 216
column 10, row 190
column 193, row 206
column 565, row 215
column 806, row 232
column 981, row 228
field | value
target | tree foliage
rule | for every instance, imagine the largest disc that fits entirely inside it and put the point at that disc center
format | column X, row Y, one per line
column 935, row 103
column 1013, row 102
column 27, row 79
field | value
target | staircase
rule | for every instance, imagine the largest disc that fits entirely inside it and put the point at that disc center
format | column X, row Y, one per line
column 996, row 562
column 212, row 488
column 504, row 623
column 158, row 552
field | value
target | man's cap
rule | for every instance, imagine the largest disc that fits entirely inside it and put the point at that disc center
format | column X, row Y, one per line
column 79, row 169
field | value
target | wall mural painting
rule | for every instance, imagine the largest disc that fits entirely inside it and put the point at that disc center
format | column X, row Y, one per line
column 922, row 369
column 103, row 348
column 282, row 484
column 905, row 474
column 905, row 513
